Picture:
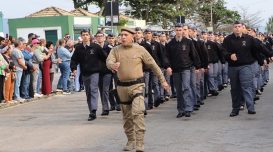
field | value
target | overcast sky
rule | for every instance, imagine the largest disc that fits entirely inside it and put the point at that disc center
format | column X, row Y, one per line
column 265, row 7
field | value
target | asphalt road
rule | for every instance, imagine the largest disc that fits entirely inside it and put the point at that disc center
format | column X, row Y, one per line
column 59, row 124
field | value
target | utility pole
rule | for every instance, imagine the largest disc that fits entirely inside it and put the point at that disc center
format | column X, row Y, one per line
column 112, row 29
column 211, row 17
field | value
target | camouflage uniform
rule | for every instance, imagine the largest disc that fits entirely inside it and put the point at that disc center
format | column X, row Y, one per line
column 131, row 89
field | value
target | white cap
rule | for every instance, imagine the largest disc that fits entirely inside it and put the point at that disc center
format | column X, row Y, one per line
column 2, row 34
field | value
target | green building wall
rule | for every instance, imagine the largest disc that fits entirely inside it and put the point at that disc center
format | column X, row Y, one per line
column 66, row 23
column 1, row 21
column 95, row 24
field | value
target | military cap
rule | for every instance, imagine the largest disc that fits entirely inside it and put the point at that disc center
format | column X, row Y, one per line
column 172, row 34
column 155, row 34
column 138, row 29
column 128, row 30
column 237, row 22
column 111, row 35
column 162, row 33
column 216, row 33
column 203, row 32
column 147, row 30
column 100, row 32
column 210, row 32
column 179, row 25
column 192, row 27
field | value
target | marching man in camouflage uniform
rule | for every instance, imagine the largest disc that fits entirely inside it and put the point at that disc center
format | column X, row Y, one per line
column 127, row 61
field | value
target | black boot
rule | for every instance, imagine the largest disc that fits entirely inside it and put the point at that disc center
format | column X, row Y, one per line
column 105, row 113
column 157, row 103
column 234, row 113
column 112, row 108
column 118, row 108
column 92, row 116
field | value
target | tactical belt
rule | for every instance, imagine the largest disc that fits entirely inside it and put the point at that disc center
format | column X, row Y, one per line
column 130, row 83
column 130, row 102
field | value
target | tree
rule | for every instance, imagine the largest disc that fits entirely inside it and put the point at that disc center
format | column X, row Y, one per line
column 252, row 20
column 84, row 4
column 269, row 25
column 220, row 14
column 164, row 12
column 160, row 12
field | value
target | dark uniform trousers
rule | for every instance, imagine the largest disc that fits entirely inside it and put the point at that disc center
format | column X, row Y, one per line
column 241, row 79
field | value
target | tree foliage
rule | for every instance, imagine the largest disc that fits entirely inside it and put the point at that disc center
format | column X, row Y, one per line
column 220, row 14
column 269, row 25
column 84, row 3
column 250, row 19
column 164, row 12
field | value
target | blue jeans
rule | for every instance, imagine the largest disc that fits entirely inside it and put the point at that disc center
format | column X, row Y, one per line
column 77, row 79
column 183, row 90
column 241, row 81
column 25, row 85
column 212, row 76
column 39, row 82
column 65, row 72
column 17, row 84
column 91, row 83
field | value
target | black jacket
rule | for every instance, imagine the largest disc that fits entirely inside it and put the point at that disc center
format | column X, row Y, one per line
column 221, row 49
column 106, row 50
column 214, row 52
column 202, row 52
column 89, row 58
column 182, row 55
column 157, row 51
column 246, row 49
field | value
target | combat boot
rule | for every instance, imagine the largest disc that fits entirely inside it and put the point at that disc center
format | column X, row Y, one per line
column 129, row 146
column 140, row 142
column 140, row 146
